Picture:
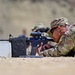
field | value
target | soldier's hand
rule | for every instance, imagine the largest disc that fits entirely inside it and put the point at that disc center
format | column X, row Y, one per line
column 40, row 47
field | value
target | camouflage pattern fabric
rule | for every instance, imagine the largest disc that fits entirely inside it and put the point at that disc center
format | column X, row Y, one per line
column 59, row 21
column 65, row 45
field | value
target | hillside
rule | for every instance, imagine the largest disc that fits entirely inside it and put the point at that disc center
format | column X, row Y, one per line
column 18, row 14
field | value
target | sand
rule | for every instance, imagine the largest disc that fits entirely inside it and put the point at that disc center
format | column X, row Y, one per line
column 37, row 66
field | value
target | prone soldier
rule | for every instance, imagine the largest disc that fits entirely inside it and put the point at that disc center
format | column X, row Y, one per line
column 64, row 35
column 39, row 38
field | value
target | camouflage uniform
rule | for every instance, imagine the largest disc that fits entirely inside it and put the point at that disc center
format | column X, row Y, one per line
column 65, row 45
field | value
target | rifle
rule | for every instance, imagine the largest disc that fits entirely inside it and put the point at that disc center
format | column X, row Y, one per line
column 36, row 39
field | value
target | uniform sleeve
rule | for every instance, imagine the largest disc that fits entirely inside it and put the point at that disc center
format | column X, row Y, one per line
column 66, row 44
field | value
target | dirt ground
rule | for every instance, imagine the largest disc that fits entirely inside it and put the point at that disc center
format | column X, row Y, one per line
column 37, row 66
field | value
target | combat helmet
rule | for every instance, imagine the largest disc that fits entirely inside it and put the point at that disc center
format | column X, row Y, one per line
column 38, row 26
